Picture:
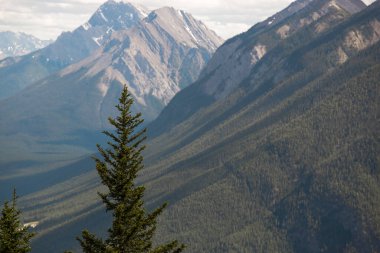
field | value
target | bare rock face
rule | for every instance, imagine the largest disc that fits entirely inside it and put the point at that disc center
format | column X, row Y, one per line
column 356, row 40
column 158, row 57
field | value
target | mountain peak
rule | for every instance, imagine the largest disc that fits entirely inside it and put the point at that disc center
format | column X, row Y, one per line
column 183, row 27
column 118, row 15
column 154, row 59
column 71, row 47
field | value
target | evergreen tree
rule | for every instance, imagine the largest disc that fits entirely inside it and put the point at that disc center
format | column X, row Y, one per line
column 133, row 227
column 14, row 237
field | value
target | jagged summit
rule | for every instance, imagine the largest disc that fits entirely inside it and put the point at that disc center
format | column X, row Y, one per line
column 118, row 15
column 185, row 27
column 162, row 54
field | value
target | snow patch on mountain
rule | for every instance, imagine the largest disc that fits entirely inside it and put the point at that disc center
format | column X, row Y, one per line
column 191, row 33
column 109, row 30
column 102, row 15
column 86, row 26
column 103, row 88
column 97, row 40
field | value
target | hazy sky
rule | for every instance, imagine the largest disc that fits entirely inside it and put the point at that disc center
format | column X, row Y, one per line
column 46, row 19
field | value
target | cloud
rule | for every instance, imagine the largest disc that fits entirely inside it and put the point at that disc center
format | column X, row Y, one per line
column 46, row 19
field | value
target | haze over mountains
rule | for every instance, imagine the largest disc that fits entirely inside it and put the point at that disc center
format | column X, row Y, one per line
column 155, row 58
column 70, row 47
column 274, row 148
column 16, row 44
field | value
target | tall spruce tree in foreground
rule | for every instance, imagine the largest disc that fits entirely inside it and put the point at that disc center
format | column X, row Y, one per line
column 132, row 227
column 14, row 237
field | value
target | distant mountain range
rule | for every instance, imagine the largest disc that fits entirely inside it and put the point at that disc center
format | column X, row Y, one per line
column 274, row 148
column 70, row 47
column 155, row 58
column 16, row 44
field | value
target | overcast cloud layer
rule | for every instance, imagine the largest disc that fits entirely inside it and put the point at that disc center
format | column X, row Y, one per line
column 46, row 19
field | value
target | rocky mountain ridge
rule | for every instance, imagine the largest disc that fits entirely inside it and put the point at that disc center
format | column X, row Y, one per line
column 70, row 47
column 16, row 44
column 236, row 59
column 323, row 13
column 156, row 58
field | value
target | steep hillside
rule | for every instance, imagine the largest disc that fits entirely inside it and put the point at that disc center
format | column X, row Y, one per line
column 16, row 44
column 235, row 59
column 284, row 164
column 307, row 183
column 300, row 177
column 70, row 47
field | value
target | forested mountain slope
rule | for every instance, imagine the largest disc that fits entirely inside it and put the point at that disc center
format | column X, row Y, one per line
column 286, row 161
column 289, row 161
column 301, row 22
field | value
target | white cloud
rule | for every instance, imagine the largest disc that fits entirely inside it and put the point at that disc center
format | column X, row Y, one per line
column 48, row 18
column 45, row 19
